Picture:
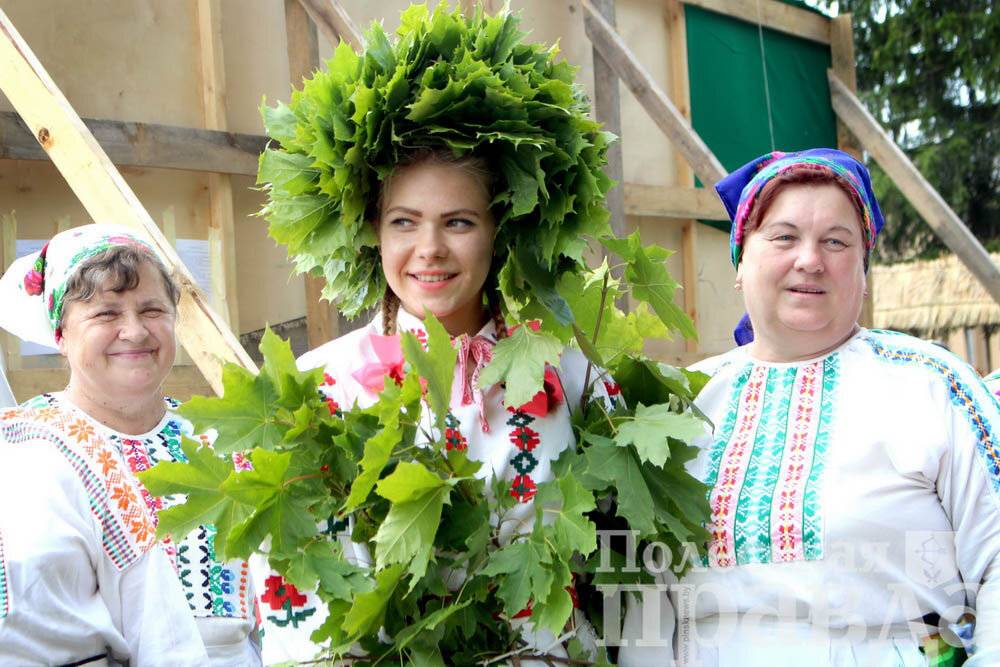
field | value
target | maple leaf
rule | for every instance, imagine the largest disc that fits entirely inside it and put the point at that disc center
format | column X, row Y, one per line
column 321, row 562
column 200, row 478
column 278, row 509
column 619, row 466
column 651, row 427
column 569, row 502
column 519, row 361
column 407, row 533
column 646, row 273
column 243, row 417
column 368, row 610
column 527, row 566
column 436, row 366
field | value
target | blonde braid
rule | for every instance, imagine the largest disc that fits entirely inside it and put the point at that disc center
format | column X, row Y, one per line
column 390, row 306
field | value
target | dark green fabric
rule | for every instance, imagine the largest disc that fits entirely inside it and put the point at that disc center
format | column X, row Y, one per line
column 728, row 105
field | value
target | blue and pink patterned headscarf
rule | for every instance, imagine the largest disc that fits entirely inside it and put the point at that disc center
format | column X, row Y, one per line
column 739, row 189
column 739, row 192
column 32, row 289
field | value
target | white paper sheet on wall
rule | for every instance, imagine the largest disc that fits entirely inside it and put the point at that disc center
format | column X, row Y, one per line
column 193, row 252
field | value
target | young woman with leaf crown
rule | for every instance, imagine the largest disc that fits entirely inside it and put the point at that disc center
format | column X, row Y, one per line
column 452, row 174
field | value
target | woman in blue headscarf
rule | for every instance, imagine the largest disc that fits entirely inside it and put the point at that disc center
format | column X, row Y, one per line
column 854, row 474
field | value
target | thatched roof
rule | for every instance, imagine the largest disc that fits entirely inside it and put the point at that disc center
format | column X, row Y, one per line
column 931, row 296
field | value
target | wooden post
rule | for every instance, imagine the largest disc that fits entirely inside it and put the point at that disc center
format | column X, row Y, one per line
column 333, row 22
column 303, row 60
column 659, row 107
column 106, row 195
column 680, row 95
column 12, row 343
column 607, row 110
column 221, row 235
column 914, row 186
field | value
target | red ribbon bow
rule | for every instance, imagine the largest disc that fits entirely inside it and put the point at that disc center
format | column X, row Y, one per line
column 480, row 349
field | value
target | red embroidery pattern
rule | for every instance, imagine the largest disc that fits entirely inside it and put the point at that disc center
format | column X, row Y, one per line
column 525, row 439
column 279, row 594
column 725, row 495
column 453, row 438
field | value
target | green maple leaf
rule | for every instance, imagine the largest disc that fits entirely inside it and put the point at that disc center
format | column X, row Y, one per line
column 295, row 388
column 407, row 533
column 368, row 610
column 436, row 366
column 278, row 508
column 519, row 361
column 200, row 478
column 321, row 562
column 245, row 416
column 569, row 501
column 292, row 173
column 647, row 274
column 554, row 608
column 651, row 427
column 619, row 466
column 528, row 573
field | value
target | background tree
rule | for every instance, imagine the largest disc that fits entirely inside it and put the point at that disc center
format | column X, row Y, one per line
column 929, row 70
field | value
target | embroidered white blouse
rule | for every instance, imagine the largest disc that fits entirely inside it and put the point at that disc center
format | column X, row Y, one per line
column 220, row 595
column 851, row 495
column 519, row 447
column 80, row 573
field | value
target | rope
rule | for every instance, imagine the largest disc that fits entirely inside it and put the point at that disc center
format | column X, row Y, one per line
column 763, row 66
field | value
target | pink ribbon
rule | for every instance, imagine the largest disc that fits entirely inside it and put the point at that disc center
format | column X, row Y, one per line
column 389, row 351
column 480, row 349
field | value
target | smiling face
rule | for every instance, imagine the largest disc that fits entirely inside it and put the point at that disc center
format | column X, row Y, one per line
column 436, row 239
column 802, row 273
column 120, row 345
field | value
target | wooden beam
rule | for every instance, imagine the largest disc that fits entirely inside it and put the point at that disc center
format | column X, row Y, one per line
column 607, row 110
column 334, row 22
column 842, row 56
column 914, row 186
column 181, row 383
column 659, row 107
column 667, row 201
column 773, row 14
column 303, row 60
column 680, row 95
column 135, row 144
column 221, row 234
column 106, row 195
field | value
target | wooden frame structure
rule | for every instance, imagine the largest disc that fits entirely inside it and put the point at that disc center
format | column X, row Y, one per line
column 47, row 128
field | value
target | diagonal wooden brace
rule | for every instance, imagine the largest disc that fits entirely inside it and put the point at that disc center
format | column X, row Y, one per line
column 108, row 198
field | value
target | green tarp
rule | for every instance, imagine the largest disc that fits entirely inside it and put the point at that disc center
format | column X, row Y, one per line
column 729, row 107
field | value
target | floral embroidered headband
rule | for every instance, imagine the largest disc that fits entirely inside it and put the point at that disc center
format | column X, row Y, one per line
column 739, row 190
column 32, row 290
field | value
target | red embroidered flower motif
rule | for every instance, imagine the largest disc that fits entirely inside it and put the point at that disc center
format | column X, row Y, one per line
column 332, row 405
column 328, row 381
column 280, row 594
column 33, row 282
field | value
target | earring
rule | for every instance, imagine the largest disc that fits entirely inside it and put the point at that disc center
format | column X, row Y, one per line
column 737, row 287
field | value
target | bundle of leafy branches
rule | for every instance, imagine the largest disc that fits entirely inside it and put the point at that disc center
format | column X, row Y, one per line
column 449, row 574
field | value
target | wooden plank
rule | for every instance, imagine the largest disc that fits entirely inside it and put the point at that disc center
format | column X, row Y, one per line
column 924, row 198
column 668, row 201
column 181, row 383
column 221, row 234
column 106, row 195
column 680, row 95
column 773, row 14
column 607, row 110
column 303, row 60
column 135, row 144
column 663, row 112
column 334, row 22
